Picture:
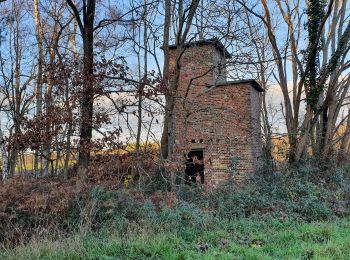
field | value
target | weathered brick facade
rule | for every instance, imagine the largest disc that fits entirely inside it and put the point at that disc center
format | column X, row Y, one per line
column 220, row 117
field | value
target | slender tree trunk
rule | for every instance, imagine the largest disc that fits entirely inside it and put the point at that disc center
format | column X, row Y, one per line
column 69, row 133
column 289, row 117
column 345, row 141
column 141, row 87
column 4, row 157
column 166, row 39
column 70, row 124
column 39, row 84
column 17, row 104
column 47, row 149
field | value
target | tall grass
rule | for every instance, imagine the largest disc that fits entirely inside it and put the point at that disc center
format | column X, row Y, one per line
column 241, row 239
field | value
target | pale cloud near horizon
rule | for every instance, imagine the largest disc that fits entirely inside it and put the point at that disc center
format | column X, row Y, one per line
column 151, row 129
column 274, row 100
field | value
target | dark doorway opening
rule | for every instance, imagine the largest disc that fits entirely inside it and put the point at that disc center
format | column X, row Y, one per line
column 195, row 167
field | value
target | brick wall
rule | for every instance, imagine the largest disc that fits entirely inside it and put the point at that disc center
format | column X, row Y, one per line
column 223, row 119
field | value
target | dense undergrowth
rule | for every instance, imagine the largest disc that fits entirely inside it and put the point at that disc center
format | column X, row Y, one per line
column 298, row 213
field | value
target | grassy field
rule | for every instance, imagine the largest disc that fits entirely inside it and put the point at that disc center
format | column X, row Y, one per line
column 244, row 239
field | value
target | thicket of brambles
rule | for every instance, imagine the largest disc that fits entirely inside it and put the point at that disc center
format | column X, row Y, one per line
column 57, row 208
column 299, row 212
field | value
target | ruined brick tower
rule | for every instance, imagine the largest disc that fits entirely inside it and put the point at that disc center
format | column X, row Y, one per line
column 216, row 118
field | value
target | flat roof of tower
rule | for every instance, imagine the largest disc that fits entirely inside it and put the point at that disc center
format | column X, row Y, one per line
column 218, row 45
column 253, row 82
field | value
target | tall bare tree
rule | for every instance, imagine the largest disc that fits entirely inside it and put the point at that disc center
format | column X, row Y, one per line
column 184, row 22
column 86, row 27
column 39, row 81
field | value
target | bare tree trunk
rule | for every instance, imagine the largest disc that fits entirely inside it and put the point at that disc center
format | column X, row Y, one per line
column 69, row 133
column 4, row 157
column 166, row 39
column 86, row 102
column 70, row 124
column 345, row 141
column 68, row 151
column 144, row 78
column 87, row 31
column 17, row 103
column 39, row 83
column 283, row 81
column 261, row 71
column 48, row 97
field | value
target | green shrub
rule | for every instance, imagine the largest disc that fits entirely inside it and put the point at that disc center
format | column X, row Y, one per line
column 192, row 194
column 287, row 196
column 159, row 180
